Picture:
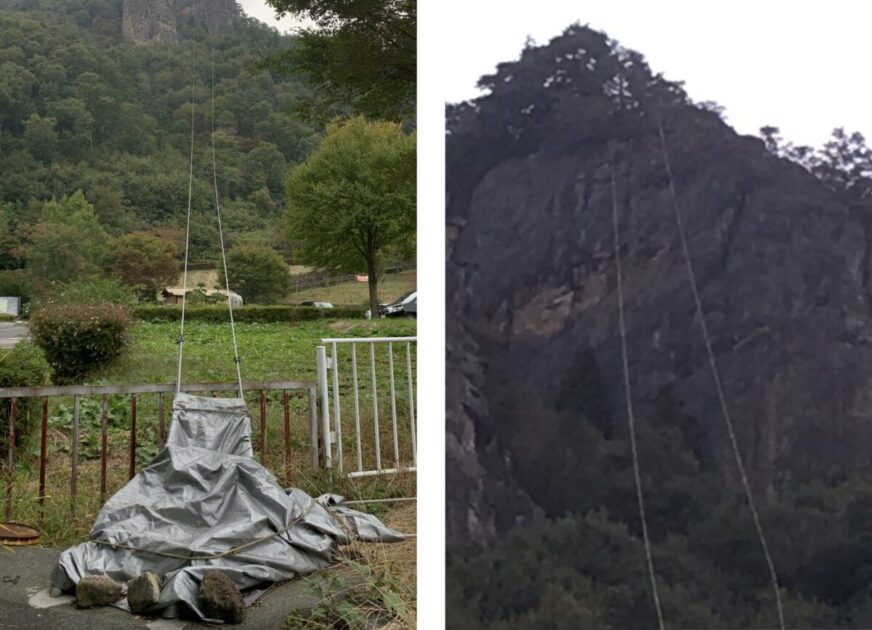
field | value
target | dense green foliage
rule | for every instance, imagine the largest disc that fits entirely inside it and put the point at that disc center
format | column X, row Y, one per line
column 265, row 314
column 78, row 339
column 586, row 561
column 361, row 57
column 258, row 274
column 353, row 201
column 145, row 262
column 23, row 366
column 68, row 243
column 83, row 109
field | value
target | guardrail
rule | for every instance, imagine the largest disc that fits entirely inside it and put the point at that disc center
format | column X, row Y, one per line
column 306, row 389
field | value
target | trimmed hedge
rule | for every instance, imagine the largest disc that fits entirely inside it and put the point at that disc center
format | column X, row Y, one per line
column 262, row 314
column 80, row 338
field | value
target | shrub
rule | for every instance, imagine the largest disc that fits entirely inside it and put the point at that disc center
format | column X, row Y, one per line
column 262, row 314
column 23, row 366
column 258, row 274
column 80, row 338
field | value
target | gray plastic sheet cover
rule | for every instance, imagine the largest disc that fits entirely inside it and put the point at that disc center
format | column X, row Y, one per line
column 203, row 495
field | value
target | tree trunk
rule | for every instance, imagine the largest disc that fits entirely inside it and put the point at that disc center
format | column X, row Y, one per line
column 372, row 279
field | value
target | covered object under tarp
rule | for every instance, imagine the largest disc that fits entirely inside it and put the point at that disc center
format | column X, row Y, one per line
column 205, row 503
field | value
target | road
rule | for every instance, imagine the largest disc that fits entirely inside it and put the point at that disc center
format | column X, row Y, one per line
column 11, row 333
column 26, row 605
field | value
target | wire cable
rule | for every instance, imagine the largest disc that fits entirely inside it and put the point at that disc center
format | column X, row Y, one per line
column 631, row 418
column 221, row 233
column 716, row 374
column 181, row 340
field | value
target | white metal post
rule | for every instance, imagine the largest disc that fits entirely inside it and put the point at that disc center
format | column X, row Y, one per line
column 334, row 365
column 321, row 361
column 356, row 407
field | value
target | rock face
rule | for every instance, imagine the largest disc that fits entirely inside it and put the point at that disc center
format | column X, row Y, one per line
column 97, row 590
column 220, row 599
column 163, row 21
column 531, row 295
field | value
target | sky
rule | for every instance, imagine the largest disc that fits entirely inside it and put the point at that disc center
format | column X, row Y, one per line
column 799, row 66
column 265, row 13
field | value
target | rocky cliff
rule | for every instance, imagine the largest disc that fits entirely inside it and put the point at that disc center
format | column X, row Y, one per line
column 164, row 21
column 781, row 263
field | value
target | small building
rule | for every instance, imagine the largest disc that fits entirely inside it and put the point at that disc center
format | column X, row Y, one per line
column 10, row 306
column 173, row 295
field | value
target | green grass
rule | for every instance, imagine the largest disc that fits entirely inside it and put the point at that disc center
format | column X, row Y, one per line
column 354, row 293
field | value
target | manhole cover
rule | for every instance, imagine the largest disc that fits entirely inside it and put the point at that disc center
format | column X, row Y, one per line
column 18, row 535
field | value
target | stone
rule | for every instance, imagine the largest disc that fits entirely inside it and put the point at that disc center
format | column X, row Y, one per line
column 143, row 592
column 220, row 599
column 97, row 590
column 783, row 265
column 163, row 21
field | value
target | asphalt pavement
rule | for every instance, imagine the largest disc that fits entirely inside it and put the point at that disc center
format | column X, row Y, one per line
column 25, row 603
column 11, row 333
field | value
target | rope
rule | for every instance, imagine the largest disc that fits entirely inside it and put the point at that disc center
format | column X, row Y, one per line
column 221, row 234
column 363, row 501
column 631, row 419
column 716, row 374
column 181, row 340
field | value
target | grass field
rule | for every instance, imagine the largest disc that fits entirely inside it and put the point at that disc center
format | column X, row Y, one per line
column 270, row 352
column 391, row 287
column 355, row 293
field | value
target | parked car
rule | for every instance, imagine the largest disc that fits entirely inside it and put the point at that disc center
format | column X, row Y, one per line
column 318, row 304
column 406, row 306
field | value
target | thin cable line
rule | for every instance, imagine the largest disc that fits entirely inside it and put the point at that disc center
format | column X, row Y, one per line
column 221, row 232
column 181, row 340
column 631, row 418
column 715, row 373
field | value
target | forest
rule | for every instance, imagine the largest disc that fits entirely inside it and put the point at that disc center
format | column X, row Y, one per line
column 580, row 563
column 83, row 110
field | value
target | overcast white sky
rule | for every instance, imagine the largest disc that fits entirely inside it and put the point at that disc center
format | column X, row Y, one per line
column 801, row 66
column 265, row 13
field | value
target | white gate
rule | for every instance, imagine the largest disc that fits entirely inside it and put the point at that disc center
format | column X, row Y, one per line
column 356, row 400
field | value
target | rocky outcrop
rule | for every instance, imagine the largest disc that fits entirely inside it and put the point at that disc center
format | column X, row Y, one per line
column 531, row 277
column 164, row 21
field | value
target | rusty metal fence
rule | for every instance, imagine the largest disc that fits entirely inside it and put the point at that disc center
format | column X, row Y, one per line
column 304, row 390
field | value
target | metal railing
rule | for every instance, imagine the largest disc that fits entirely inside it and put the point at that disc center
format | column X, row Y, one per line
column 401, row 432
column 304, row 389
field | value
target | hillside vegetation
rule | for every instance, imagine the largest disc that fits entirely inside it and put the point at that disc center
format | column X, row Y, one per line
column 83, row 109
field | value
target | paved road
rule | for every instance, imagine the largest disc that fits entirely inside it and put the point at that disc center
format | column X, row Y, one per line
column 11, row 333
column 26, row 605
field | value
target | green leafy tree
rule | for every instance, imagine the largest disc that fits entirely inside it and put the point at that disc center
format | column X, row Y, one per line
column 145, row 262
column 40, row 137
column 68, row 243
column 359, row 55
column 354, row 198
column 258, row 274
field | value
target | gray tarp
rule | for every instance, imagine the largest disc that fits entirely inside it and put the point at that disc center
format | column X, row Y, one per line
column 202, row 495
